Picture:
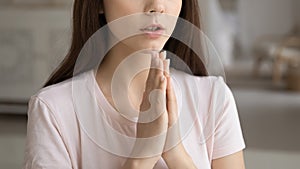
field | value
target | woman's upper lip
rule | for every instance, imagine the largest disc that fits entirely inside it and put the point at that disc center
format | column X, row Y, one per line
column 153, row 25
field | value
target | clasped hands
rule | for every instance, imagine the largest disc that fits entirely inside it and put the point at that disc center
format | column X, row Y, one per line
column 160, row 136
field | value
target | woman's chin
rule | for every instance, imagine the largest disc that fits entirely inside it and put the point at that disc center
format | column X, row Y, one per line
column 144, row 43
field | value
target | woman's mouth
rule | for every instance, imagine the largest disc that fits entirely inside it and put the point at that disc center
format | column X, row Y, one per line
column 153, row 31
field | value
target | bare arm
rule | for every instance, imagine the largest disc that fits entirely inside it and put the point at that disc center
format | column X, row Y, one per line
column 233, row 161
column 178, row 158
column 135, row 163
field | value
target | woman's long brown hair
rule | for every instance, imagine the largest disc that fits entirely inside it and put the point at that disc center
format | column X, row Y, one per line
column 86, row 21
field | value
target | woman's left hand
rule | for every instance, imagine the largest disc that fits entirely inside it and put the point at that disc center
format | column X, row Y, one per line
column 174, row 154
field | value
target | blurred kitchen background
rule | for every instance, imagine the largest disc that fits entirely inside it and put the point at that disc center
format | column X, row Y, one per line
column 258, row 42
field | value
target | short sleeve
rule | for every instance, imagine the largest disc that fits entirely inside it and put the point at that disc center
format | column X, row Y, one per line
column 228, row 137
column 44, row 145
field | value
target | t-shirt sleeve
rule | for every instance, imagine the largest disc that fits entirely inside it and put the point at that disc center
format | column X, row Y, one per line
column 228, row 137
column 45, row 147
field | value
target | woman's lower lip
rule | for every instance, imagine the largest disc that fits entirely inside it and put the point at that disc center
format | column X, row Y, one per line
column 154, row 35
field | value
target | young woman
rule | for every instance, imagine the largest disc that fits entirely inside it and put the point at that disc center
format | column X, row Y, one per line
column 60, row 136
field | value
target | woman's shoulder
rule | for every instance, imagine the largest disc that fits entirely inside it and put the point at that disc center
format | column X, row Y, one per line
column 54, row 91
column 210, row 91
column 59, row 94
column 208, row 81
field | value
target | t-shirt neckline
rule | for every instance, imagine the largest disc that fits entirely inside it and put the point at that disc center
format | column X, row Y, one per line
column 104, row 104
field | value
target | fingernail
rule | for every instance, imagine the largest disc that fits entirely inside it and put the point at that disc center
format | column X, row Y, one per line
column 168, row 66
column 168, row 62
column 162, row 78
column 164, row 55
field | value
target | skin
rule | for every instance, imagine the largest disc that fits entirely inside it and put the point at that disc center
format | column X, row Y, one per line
column 148, row 80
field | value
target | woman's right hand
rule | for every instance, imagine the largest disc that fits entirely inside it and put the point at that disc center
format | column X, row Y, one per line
column 152, row 123
column 153, row 117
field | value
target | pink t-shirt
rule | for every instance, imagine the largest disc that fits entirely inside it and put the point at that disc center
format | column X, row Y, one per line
column 61, row 134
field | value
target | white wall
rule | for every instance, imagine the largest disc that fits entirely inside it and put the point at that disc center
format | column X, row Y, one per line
column 262, row 17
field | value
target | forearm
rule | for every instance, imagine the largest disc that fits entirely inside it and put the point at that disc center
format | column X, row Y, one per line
column 178, row 158
column 143, row 155
column 138, row 163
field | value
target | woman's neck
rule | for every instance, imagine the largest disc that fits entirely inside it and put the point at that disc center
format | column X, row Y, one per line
column 125, row 64
column 121, row 56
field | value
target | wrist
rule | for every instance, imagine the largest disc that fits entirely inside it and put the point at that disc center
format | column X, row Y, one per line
column 137, row 163
column 177, row 157
column 175, row 153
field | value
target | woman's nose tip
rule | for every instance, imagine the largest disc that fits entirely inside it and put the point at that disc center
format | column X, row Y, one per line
column 156, row 8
